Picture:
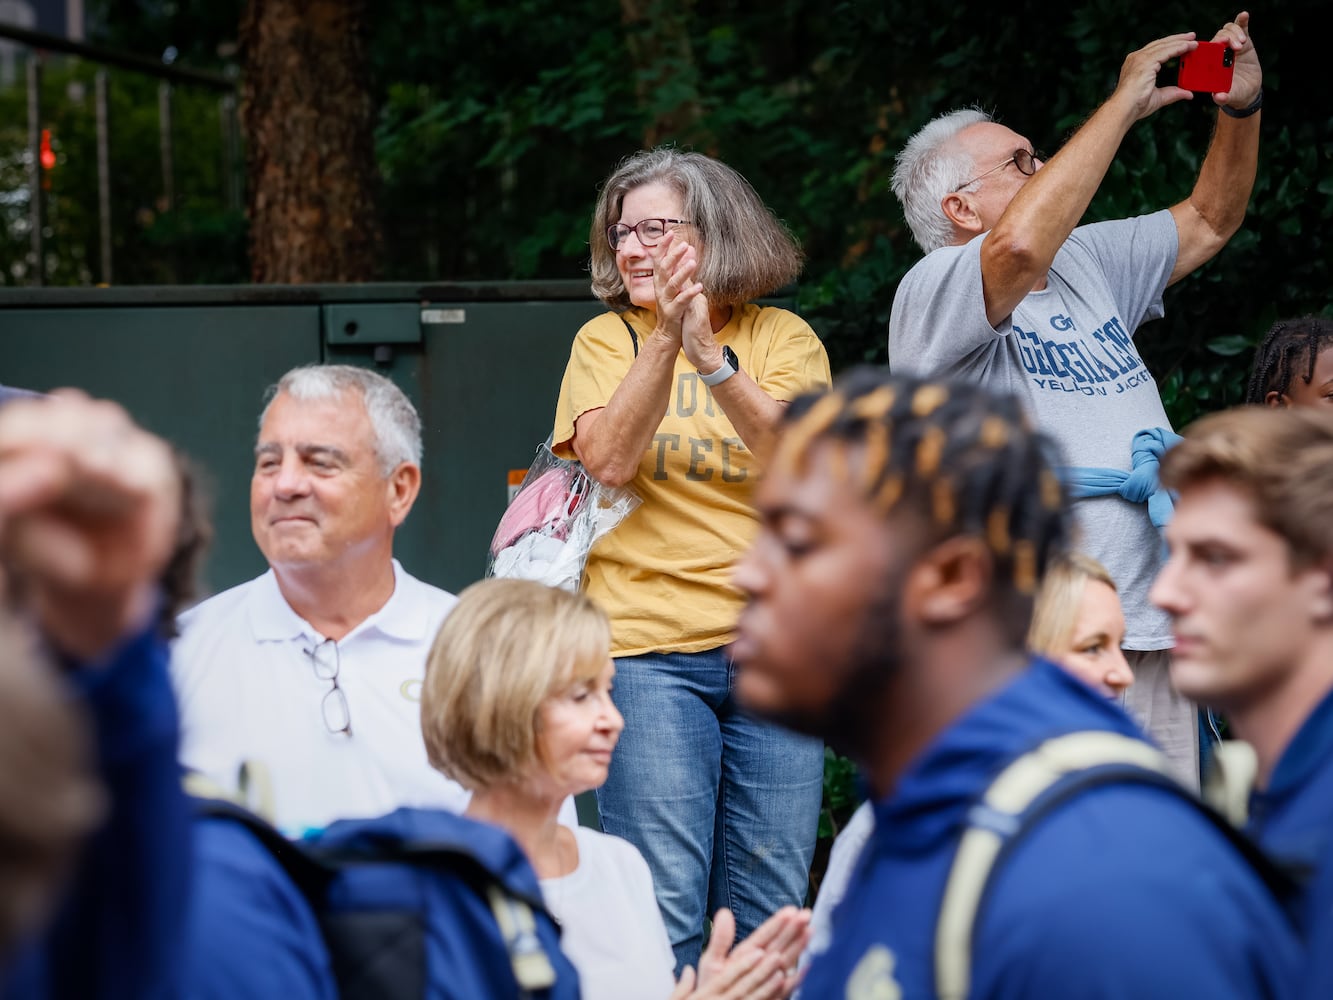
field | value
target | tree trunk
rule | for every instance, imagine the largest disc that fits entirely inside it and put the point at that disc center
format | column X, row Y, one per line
column 310, row 158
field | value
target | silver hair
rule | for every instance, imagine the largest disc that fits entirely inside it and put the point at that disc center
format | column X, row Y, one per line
column 745, row 251
column 929, row 167
column 393, row 419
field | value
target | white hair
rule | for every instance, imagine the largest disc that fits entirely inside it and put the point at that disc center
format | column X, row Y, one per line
column 929, row 167
column 394, row 422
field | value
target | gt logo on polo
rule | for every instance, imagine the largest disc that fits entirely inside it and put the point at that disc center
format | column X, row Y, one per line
column 872, row 979
column 411, row 689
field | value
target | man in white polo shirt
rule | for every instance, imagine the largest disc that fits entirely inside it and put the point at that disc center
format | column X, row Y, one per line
column 314, row 669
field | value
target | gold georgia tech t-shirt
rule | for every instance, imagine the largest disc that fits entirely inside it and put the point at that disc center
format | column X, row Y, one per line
column 663, row 576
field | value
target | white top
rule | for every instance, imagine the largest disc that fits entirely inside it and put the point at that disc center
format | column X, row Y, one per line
column 848, row 846
column 248, row 691
column 610, row 926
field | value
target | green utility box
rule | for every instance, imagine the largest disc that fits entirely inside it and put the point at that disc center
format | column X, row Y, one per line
column 482, row 362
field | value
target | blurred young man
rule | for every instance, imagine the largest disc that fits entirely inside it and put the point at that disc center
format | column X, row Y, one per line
column 90, row 525
column 905, row 525
column 1249, row 587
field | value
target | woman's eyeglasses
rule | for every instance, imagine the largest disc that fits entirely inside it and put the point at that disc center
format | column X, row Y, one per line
column 649, row 231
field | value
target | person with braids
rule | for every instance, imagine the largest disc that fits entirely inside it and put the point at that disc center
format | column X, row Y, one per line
column 675, row 392
column 1294, row 364
column 1015, row 295
column 1078, row 624
column 905, row 526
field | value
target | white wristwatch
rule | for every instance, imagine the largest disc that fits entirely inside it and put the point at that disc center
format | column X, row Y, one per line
column 730, row 366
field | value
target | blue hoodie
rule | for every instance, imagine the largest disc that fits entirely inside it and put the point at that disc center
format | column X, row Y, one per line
column 1292, row 819
column 1124, row 891
column 1318, row 981
column 118, row 931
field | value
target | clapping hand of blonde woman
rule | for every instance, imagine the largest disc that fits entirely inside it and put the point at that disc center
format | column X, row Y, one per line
column 674, row 264
column 762, row 967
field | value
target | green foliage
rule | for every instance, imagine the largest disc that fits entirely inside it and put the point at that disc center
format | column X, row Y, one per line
column 841, row 794
column 498, row 121
column 501, row 124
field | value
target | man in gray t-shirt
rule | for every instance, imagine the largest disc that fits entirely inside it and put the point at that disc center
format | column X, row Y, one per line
column 1011, row 295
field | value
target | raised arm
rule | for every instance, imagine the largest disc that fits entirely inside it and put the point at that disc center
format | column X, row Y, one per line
column 1215, row 209
column 1018, row 251
column 90, row 508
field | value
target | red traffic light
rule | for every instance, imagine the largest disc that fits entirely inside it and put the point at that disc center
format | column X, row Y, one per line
column 48, row 155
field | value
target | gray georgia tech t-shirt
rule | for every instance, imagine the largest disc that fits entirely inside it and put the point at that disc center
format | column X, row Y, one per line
column 1068, row 352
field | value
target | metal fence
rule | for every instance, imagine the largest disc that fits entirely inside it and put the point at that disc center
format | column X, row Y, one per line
column 40, row 48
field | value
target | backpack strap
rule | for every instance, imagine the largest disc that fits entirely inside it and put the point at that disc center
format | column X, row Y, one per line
column 633, row 337
column 1028, row 789
column 532, row 966
column 254, row 788
column 1230, row 778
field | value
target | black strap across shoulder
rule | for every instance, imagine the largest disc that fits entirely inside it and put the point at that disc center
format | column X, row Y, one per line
column 633, row 337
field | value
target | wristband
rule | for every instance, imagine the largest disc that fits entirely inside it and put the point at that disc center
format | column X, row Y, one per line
column 1245, row 112
column 730, row 366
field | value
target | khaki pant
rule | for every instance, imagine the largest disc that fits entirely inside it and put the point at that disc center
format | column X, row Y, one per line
column 1169, row 718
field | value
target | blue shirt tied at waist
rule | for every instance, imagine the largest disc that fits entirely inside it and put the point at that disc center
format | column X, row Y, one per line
column 1138, row 486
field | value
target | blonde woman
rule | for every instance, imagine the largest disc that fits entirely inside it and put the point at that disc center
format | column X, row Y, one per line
column 1079, row 624
column 517, row 708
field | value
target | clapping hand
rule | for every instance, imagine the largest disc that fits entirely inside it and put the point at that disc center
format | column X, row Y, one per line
column 762, row 967
column 675, row 262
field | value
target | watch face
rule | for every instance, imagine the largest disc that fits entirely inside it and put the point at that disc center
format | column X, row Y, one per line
column 729, row 356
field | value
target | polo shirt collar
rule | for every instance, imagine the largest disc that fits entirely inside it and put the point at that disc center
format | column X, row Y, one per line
column 406, row 614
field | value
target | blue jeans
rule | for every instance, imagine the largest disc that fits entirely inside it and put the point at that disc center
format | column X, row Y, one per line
column 724, row 808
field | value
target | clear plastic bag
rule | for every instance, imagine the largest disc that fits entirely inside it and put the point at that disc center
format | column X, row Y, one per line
column 558, row 514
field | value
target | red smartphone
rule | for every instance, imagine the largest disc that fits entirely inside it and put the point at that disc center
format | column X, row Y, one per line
column 1208, row 69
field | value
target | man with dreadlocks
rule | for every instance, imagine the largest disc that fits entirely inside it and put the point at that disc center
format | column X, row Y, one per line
column 1294, row 364
column 1015, row 295
column 904, row 527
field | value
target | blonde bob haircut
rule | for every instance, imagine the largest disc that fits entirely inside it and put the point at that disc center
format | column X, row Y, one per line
column 1056, row 611
column 505, row 648
column 745, row 252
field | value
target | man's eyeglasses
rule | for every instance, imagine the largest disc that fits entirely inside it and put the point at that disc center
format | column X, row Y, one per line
column 1024, row 159
column 337, row 716
column 649, row 231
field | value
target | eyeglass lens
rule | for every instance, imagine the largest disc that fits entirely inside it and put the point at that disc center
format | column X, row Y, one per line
column 326, row 661
column 336, row 714
column 650, row 232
